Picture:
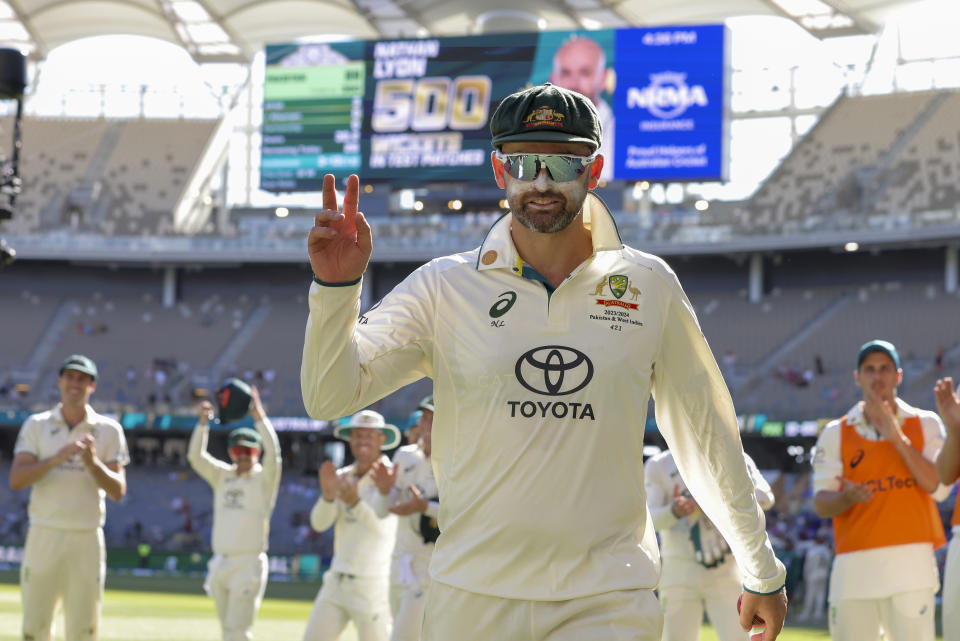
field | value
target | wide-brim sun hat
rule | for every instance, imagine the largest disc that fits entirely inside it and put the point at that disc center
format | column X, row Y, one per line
column 370, row 420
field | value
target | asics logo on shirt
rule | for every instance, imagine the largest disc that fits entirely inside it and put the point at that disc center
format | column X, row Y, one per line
column 855, row 461
column 554, row 370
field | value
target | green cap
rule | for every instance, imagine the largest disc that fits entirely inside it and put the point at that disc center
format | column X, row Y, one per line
column 426, row 403
column 81, row 364
column 884, row 347
column 546, row 113
column 243, row 436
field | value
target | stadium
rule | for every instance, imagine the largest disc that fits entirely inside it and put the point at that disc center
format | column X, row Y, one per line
column 162, row 177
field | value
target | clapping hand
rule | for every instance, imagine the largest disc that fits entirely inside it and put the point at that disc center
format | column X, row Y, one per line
column 329, row 483
column 413, row 506
column 384, row 476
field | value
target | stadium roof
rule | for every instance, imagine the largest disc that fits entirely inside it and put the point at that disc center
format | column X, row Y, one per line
column 235, row 30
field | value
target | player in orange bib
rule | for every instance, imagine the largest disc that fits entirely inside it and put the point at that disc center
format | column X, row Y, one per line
column 874, row 474
column 948, row 468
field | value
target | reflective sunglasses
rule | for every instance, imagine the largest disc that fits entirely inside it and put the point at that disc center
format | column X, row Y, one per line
column 562, row 168
column 239, row 450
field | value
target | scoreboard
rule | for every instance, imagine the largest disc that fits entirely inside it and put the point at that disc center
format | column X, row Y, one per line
column 414, row 111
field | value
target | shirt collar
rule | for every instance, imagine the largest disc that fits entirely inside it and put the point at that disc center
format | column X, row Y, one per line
column 904, row 411
column 497, row 250
column 57, row 414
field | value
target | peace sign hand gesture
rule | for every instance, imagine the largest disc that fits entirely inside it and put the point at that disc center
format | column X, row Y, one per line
column 340, row 244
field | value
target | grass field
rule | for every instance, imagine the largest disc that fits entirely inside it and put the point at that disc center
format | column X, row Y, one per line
column 155, row 616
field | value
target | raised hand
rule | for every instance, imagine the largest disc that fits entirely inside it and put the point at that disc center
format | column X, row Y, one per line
column 682, row 505
column 88, row 449
column 256, row 407
column 340, row 243
column 348, row 492
column 948, row 403
column 384, row 476
column 414, row 505
column 205, row 412
column 882, row 416
column 329, row 483
column 68, row 451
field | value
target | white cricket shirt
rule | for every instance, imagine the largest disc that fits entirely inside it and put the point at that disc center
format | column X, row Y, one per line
column 68, row 497
column 540, row 410
column 242, row 504
column 362, row 541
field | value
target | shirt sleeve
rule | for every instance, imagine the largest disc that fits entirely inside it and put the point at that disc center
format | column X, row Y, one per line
column 270, row 459
column 765, row 497
column 27, row 439
column 324, row 514
column 349, row 363
column 200, row 460
column 827, row 462
column 116, row 450
column 696, row 417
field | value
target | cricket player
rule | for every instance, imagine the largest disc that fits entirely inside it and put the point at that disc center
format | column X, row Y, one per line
column 698, row 568
column 544, row 346
column 874, row 475
column 412, row 495
column 356, row 587
column 244, row 495
column 948, row 469
column 72, row 457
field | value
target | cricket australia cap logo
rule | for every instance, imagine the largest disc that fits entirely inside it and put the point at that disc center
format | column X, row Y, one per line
column 554, row 370
column 544, row 116
column 619, row 286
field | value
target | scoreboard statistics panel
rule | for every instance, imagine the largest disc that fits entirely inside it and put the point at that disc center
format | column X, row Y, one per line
column 418, row 110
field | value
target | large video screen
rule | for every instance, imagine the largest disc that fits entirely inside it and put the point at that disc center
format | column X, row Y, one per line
column 414, row 111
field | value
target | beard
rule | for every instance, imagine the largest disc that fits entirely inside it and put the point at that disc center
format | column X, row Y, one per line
column 545, row 222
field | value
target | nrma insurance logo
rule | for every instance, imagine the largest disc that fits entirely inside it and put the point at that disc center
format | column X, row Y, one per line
column 667, row 96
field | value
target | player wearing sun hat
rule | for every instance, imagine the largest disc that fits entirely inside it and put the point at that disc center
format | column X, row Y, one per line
column 244, row 495
column 874, row 475
column 357, row 583
column 71, row 457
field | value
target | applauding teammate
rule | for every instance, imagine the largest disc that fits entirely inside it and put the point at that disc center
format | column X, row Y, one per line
column 698, row 569
column 874, row 474
column 244, row 495
column 544, row 346
column 948, row 469
column 72, row 457
column 412, row 496
column 357, row 584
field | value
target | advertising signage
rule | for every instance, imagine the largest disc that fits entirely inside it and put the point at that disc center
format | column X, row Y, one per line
column 413, row 111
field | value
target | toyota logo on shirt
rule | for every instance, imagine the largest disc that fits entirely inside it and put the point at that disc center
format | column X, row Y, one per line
column 554, row 370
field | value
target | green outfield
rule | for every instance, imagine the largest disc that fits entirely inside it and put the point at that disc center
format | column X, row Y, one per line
column 155, row 616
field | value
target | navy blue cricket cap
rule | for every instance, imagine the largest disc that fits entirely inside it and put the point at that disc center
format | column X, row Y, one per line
column 877, row 345
column 546, row 113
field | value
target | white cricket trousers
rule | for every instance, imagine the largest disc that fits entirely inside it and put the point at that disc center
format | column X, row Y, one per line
column 625, row 615
column 409, row 579
column 908, row 616
column 950, row 607
column 67, row 565
column 237, row 584
column 345, row 597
